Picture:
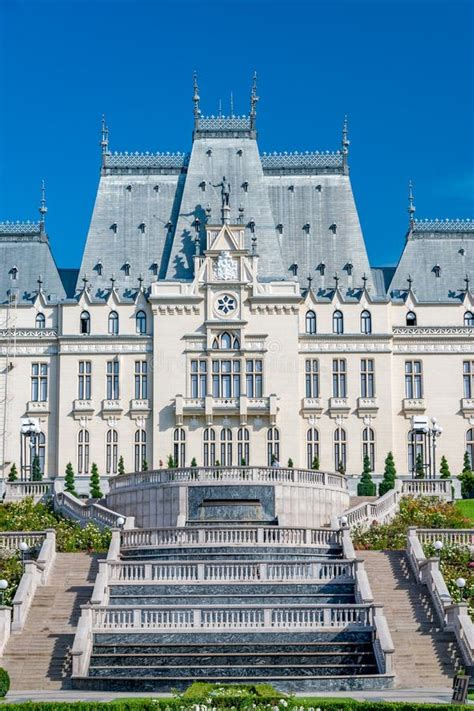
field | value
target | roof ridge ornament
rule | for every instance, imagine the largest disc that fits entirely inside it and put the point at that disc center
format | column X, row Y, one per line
column 253, row 102
column 345, row 143
column 42, row 208
column 196, row 99
column 411, row 205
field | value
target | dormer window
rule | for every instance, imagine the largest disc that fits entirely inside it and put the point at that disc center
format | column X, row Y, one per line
column 245, row 186
column 40, row 321
column 99, row 268
column 113, row 323
column 141, row 227
column 156, row 188
column 85, row 323
column 310, row 322
column 126, row 269
column 437, row 270
column 154, row 269
column 14, row 273
column 113, row 227
column 306, row 228
column 365, row 322
column 333, row 228
column 140, row 322
column 321, row 268
column 469, row 319
column 338, row 322
column 280, row 228
column 349, row 267
column 129, row 188
column 411, row 318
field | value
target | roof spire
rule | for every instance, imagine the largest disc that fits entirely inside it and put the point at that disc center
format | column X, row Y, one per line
column 411, row 204
column 39, row 281
column 345, row 145
column 466, row 281
column 253, row 102
column 104, row 139
column 42, row 208
column 196, row 99
column 231, row 103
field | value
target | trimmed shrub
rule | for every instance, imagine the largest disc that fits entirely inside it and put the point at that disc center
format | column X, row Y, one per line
column 94, row 486
column 13, row 474
column 315, row 463
column 444, row 469
column 121, row 465
column 341, row 468
column 366, row 486
column 290, row 463
column 389, row 475
column 4, row 682
column 69, row 484
column 36, row 473
column 193, row 462
column 419, row 466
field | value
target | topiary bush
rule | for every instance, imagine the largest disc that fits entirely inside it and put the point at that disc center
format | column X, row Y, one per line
column 4, row 682
column 366, row 486
column 389, row 475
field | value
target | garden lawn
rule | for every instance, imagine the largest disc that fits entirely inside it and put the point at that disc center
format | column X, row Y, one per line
column 466, row 508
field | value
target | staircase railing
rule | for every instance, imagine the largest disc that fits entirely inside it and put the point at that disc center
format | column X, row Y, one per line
column 90, row 511
column 18, row 490
column 453, row 616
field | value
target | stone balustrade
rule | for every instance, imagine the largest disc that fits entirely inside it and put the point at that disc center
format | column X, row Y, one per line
column 18, row 490
column 89, row 511
column 449, row 536
column 452, row 616
column 283, row 618
column 36, row 573
column 252, row 536
column 11, row 539
column 272, row 475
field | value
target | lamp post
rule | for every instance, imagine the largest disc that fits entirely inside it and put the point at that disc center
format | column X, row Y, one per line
column 430, row 431
column 438, row 546
column 29, row 432
column 461, row 584
column 343, row 521
column 3, row 587
column 23, row 550
column 120, row 521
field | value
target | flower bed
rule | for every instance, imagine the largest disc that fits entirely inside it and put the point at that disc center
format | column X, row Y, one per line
column 455, row 562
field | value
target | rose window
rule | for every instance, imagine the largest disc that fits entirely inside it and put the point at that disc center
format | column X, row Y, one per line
column 226, row 304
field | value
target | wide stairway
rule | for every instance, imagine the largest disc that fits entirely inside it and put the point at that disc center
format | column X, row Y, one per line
column 38, row 657
column 226, row 608
column 425, row 656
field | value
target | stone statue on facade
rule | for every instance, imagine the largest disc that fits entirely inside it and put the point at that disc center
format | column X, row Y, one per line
column 225, row 191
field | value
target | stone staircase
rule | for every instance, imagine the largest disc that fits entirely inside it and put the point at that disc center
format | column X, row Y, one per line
column 38, row 657
column 425, row 655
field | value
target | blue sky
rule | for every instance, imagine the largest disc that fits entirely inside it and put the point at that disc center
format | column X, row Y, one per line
column 402, row 71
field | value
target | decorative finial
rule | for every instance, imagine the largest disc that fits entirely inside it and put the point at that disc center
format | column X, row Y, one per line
column 466, row 281
column 364, row 279
column 345, row 145
column 253, row 102
column 231, row 104
column 208, row 211
column 410, row 282
column 104, row 141
column 411, row 204
column 40, row 284
column 112, row 281
column 85, row 281
column 42, row 208
column 254, row 244
column 310, row 279
column 196, row 99
column 241, row 214
column 140, row 281
column 336, row 280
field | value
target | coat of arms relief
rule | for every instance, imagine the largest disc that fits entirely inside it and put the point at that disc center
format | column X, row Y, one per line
column 225, row 268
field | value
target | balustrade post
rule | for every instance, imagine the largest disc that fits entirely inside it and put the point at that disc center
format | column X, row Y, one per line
column 148, row 572
column 201, row 575
column 327, row 621
column 267, row 617
column 262, row 571
column 201, row 535
column 197, row 622
column 260, row 534
column 137, row 619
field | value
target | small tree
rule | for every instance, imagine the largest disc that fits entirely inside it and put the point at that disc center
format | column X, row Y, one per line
column 193, row 462
column 341, row 468
column 315, row 463
column 171, row 464
column 94, row 484
column 444, row 469
column 121, row 465
column 36, row 473
column 69, row 480
column 366, row 486
column 466, row 463
column 290, row 463
column 467, row 484
column 389, row 475
column 13, row 474
column 144, row 466
column 419, row 466
column 243, row 463
column 217, row 464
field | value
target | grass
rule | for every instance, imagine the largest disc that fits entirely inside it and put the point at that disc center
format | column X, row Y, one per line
column 466, row 508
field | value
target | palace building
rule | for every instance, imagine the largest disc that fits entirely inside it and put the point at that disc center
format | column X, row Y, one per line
column 226, row 312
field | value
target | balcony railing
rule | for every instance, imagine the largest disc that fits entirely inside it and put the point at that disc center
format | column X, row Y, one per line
column 112, row 407
column 413, row 404
column 312, row 404
column 209, row 405
column 36, row 407
column 367, row 404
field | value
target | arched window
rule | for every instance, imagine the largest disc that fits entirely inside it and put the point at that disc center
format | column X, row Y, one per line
column 226, row 341
column 85, row 324
column 140, row 450
column 365, row 322
column 83, row 452
column 40, row 321
column 140, row 322
column 312, row 446
column 111, row 452
column 179, row 442
column 273, row 446
column 469, row 318
column 340, row 449
column 411, row 318
column 226, row 447
column 209, row 447
column 470, row 445
column 368, row 445
column 310, row 322
column 337, row 322
column 243, row 447
column 416, row 446
column 113, row 323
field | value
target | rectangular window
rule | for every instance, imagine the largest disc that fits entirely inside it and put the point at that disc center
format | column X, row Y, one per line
column 39, row 382
column 339, row 378
column 312, row 378
column 113, row 379
column 84, row 380
column 141, row 380
column 254, row 377
column 226, row 378
column 468, row 378
column 198, row 378
column 413, row 379
column 367, row 377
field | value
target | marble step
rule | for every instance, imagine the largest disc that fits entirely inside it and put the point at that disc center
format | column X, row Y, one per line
column 244, row 672
column 234, row 648
column 261, row 659
column 194, row 600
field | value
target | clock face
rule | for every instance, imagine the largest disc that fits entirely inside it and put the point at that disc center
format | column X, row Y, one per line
column 225, row 305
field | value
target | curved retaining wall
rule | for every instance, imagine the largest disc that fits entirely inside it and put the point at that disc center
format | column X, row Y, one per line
column 175, row 497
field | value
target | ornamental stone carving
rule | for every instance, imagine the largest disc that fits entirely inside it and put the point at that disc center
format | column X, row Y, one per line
column 225, row 268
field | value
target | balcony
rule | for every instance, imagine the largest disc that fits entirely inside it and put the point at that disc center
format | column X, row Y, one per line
column 211, row 406
column 35, row 407
column 467, row 406
column 339, row 406
column 367, row 405
column 312, row 406
column 81, row 408
column 413, row 404
column 111, row 407
column 139, row 408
